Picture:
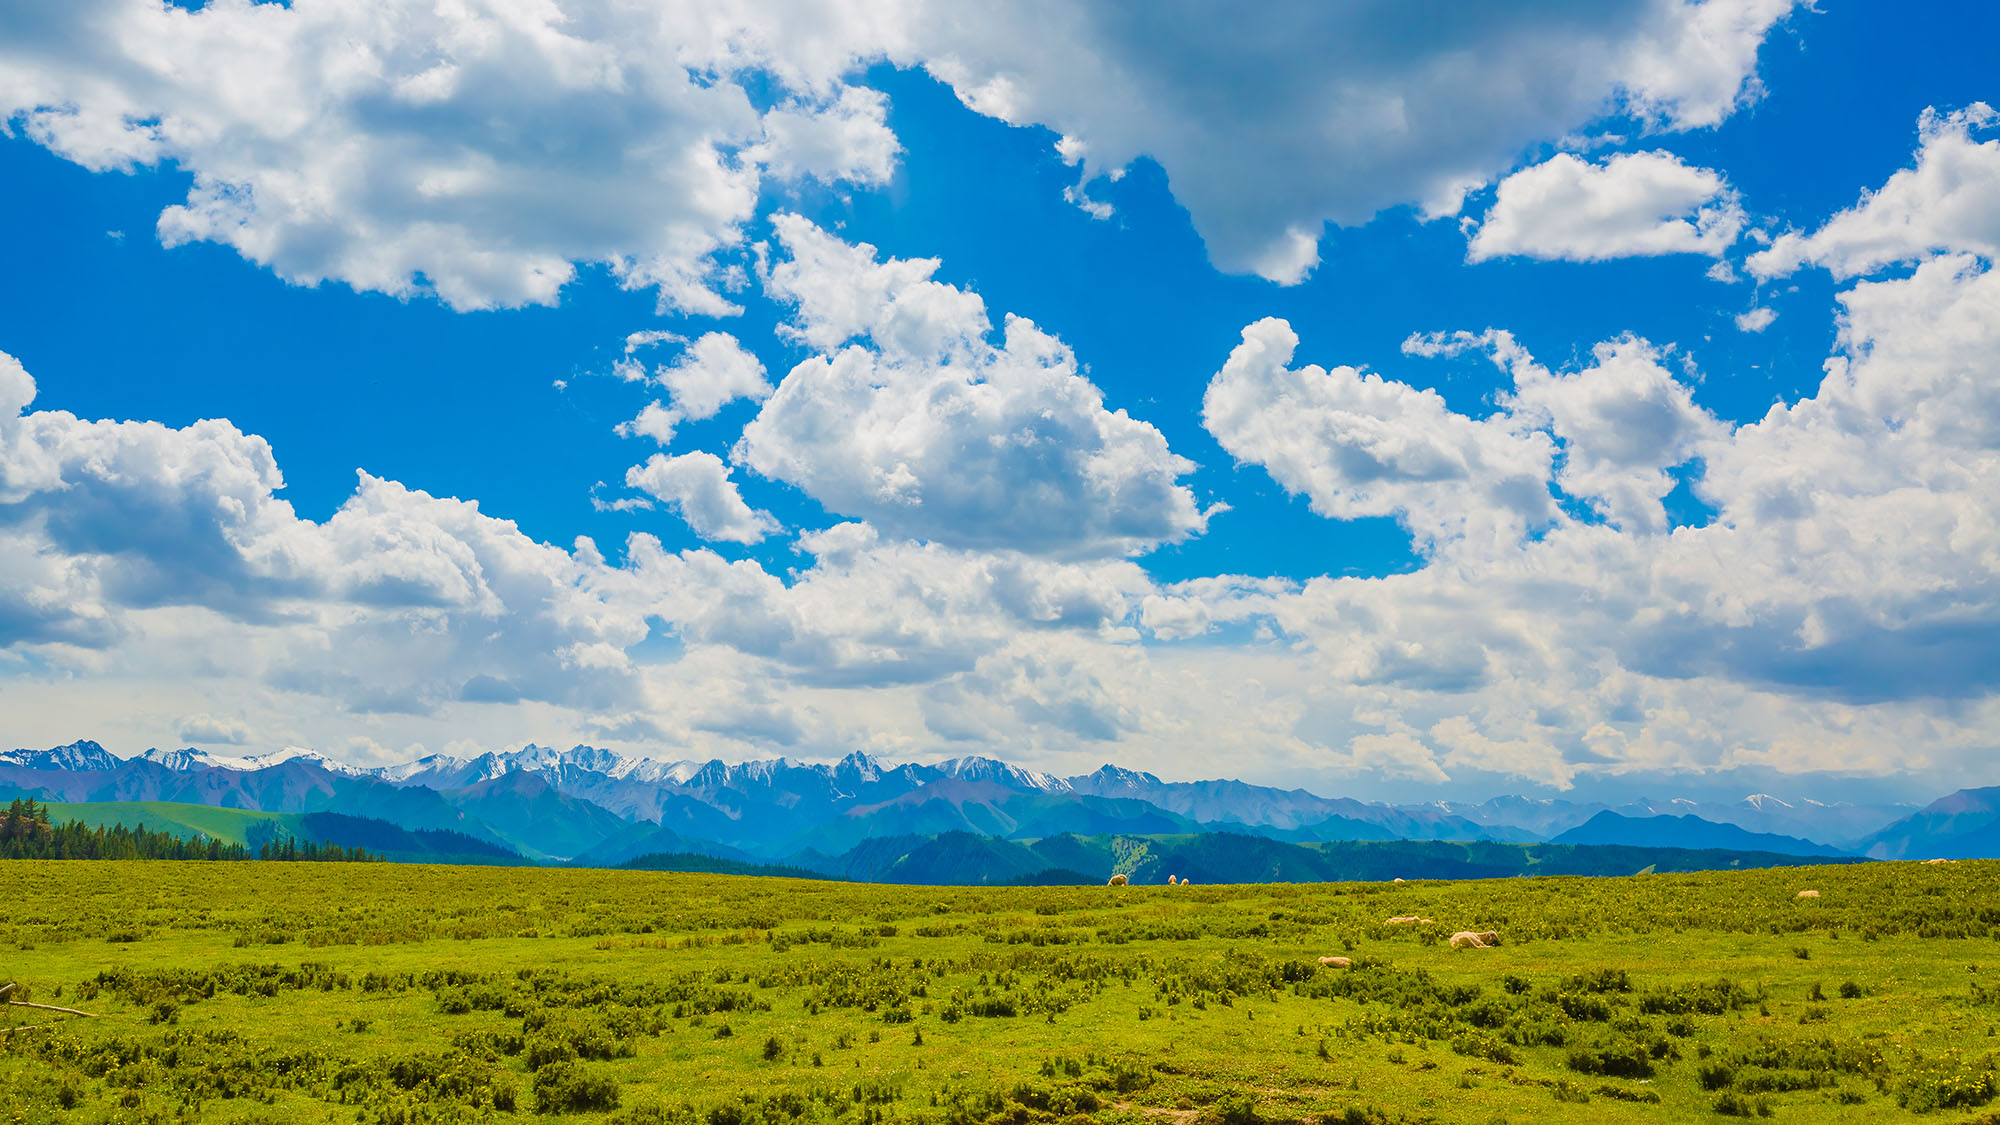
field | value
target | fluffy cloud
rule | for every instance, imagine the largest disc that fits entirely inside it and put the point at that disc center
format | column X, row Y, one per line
column 1756, row 320
column 482, row 151
column 1270, row 128
column 212, row 729
column 1844, row 585
column 927, row 428
column 871, row 612
column 140, row 514
column 711, row 373
column 1950, row 201
column 1621, row 422
column 842, row 140
column 475, row 151
column 697, row 485
column 1356, row 444
column 714, row 372
column 1632, row 205
column 1845, row 582
column 1878, row 487
column 399, row 602
column 1837, row 612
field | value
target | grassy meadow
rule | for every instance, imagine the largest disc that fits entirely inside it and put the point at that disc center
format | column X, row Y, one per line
column 265, row 992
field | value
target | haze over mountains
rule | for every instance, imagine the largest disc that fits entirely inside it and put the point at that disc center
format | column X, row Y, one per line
column 596, row 806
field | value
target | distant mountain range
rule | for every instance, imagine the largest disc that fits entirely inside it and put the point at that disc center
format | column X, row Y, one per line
column 595, row 806
column 1965, row 825
column 966, row 858
column 1686, row 832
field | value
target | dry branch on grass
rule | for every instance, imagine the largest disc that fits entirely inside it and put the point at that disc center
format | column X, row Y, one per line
column 9, row 987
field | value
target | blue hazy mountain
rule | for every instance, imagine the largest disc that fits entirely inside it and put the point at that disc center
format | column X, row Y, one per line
column 1685, row 832
column 1964, row 825
column 596, row 806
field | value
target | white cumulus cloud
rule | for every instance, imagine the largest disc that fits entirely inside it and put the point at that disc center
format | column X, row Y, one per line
column 713, row 372
column 927, row 428
column 1633, row 205
column 1356, row 444
column 697, row 485
column 1950, row 201
column 1622, row 422
column 1757, row 319
column 479, row 152
column 398, row 602
column 483, row 151
column 1269, row 128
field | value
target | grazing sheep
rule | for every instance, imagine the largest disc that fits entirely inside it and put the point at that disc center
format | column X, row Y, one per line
column 1173, row 881
column 1807, row 894
column 1116, row 881
column 1187, row 882
column 1937, row 861
column 1467, row 939
column 1335, row 962
column 1396, row 880
column 1407, row 920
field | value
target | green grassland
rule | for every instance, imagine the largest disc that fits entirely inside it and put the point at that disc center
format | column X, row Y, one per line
column 270, row 993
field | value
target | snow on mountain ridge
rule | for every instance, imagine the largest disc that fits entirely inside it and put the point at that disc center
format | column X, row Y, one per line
column 193, row 758
column 974, row 768
column 83, row 754
column 703, row 799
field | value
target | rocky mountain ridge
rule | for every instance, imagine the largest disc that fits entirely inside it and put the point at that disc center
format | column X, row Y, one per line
column 589, row 802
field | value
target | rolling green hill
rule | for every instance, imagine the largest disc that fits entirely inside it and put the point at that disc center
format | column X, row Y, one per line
column 231, row 826
column 253, row 829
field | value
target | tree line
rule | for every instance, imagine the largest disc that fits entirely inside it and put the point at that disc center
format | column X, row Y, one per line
column 27, row 832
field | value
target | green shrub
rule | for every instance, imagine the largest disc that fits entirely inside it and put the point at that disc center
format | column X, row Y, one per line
column 1626, row 1059
column 567, row 1087
column 1735, row 1105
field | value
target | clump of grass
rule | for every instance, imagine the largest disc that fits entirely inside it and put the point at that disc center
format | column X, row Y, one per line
column 1735, row 1105
column 568, row 1087
column 1569, row 1092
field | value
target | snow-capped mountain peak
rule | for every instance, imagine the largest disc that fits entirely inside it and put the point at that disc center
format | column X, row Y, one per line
column 429, row 763
column 179, row 760
column 1108, row 779
column 680, row 773
column 650, row 770
column 992, row 769
column 858, row 767
column 191, row 758
column 82, row 754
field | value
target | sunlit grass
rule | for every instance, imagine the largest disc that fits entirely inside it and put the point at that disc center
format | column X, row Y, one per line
column 269, row 992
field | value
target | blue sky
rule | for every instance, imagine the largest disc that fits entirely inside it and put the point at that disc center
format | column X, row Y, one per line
column 1558, row 552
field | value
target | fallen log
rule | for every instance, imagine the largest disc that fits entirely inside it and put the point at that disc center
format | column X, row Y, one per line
column 53, row 1008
